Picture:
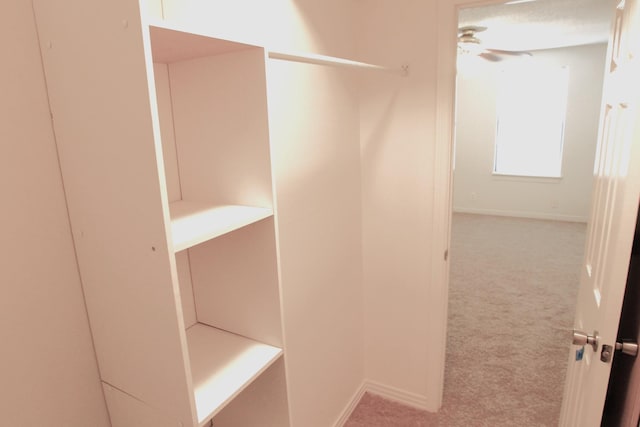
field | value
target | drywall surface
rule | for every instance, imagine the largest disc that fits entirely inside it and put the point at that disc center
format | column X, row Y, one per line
column 397, row 148
column 278, row 24
column 316, row 165
column 47, row 363
column 477, row 190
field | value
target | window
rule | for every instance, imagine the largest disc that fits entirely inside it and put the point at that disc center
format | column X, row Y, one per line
column 531, row 110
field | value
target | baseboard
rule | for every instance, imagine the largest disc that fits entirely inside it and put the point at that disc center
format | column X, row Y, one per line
column 346, row 413
column 521, row 214
column 397, row 395
column 406, row 398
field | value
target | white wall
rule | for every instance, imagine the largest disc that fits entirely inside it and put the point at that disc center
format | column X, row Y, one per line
column 397, row 144
column 314, row 125
column 316, row 165
column 477, row 190
column 47, row 364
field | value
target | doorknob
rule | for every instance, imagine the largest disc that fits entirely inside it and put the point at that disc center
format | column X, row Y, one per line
column 629, row 348
column 580, row 338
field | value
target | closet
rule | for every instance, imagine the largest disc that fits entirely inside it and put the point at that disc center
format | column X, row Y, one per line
column 164, row 146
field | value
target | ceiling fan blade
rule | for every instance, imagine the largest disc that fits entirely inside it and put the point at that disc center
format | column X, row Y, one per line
column 509, row 52
column 470, row 44
column 489, row 56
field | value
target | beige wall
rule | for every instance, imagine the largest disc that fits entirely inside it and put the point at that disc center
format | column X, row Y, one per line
column 477, row 190
column 47, row 364
column 314, row 125
column 397, row 145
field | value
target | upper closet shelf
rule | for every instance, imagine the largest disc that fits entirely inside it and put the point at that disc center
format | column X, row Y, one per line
column 196, row 222
column 171, row 43
column 312, row 58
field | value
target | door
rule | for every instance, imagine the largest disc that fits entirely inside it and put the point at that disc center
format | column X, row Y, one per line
column 612, row 222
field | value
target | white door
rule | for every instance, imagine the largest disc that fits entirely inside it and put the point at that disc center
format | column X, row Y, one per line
column 612, row 222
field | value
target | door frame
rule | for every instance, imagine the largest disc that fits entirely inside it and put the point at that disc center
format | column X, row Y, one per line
column 447, row 39
column 447, row 16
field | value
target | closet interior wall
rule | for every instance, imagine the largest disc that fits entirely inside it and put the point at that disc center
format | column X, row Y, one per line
column 47, row 363
column 404, row 332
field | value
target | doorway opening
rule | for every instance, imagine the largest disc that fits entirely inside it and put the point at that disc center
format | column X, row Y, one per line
column 517, row 238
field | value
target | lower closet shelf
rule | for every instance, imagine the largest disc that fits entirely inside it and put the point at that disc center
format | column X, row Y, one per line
column 222, row 365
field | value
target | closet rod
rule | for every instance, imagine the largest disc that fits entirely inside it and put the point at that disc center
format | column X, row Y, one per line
column 311, row 58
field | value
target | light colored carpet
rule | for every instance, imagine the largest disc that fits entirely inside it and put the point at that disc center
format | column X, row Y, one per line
column 513, row 288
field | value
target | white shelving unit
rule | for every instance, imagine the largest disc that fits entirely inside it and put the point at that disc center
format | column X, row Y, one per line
column 164, row 149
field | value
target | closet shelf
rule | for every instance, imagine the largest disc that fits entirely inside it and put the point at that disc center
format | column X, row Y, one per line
column 222, row 365
column 171, row 43
column 313, row 58
column 193, row 223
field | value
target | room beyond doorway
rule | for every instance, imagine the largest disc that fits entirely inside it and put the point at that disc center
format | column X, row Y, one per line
column 498, row 295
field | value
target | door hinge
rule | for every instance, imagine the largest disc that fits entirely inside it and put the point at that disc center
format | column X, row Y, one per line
column 446, row 254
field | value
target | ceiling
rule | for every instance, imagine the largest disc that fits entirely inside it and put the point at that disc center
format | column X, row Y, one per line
column 541, row 24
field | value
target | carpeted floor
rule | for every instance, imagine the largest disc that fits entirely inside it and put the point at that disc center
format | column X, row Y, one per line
column 512, row 292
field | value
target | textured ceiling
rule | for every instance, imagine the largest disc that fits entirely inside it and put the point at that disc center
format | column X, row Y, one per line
column 541, row 24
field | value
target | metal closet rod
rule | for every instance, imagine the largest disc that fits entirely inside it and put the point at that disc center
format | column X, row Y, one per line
column 311, row 58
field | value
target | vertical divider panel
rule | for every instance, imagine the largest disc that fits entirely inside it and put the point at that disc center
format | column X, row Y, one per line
column 172, row 175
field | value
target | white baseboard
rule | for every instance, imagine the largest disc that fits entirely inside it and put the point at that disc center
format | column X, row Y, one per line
column 397, row 395
column 521, row 214
column 391, row 393
column 348, row 410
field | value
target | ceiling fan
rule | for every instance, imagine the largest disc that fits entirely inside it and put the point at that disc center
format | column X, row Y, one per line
column 469, row 43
